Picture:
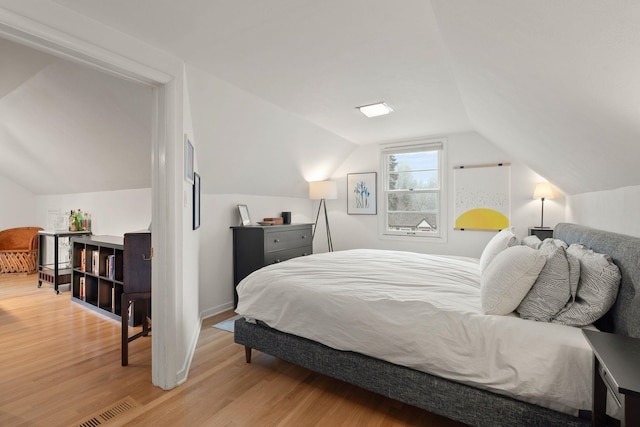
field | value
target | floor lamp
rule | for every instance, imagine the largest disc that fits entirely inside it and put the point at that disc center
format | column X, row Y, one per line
column 543, row 191
column 323, row 190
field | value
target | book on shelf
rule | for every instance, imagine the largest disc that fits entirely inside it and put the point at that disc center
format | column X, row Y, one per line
column 111, row 266
column 83, row 290
column 83, row 259
column 95, row 266
column 113, row 299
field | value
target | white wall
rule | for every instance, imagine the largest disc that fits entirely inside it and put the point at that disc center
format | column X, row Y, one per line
column 248, row 151
column 361, row 231
column 247, row 145
column 17, row 206
column 219, row 213
column 612, row 210
column 112, row 212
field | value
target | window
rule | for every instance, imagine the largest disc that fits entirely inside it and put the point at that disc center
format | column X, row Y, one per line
column 413, row 189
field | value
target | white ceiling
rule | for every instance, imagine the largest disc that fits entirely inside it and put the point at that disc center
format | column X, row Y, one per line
column 555, row 84
column 316, row 59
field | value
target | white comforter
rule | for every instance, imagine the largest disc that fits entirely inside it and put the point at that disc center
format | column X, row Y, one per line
column 421, row 311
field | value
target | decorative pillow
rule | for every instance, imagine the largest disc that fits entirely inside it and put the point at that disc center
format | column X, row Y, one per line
column 509, row 278
column 532, row 241
column 597, row 289
column 551, row 290
column 552, row 243
column 548, row 246
column 501, row 241
column 574, row 273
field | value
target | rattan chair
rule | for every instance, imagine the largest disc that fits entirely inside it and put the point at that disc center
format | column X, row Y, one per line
column 19, row 250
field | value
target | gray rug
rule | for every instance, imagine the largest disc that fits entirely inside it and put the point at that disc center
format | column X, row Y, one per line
column 227, row 325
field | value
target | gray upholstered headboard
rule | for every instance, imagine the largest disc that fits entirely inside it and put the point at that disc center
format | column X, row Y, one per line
column 624, row 316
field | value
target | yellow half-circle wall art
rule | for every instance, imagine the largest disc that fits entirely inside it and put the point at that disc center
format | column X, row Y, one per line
column 482, row 219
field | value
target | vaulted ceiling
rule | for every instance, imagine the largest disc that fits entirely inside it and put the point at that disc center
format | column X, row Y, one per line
column 555, row 84
column 66, row 128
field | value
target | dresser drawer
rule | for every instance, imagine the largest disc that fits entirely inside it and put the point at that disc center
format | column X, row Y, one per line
column 279, row 256
column 257, row 246
column 289, row 239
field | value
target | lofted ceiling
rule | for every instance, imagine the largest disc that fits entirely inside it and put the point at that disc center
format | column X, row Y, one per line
column 555, row 84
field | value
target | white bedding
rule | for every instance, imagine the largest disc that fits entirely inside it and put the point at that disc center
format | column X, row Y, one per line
column 421, row 311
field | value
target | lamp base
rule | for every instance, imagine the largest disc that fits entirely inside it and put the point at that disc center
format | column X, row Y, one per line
column 326, row 219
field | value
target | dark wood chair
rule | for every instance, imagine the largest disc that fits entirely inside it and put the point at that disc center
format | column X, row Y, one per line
column 136, row 285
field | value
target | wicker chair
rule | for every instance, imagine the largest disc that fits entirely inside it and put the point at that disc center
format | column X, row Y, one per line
column 19, row 250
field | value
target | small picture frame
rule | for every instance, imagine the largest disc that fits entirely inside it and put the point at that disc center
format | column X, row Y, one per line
column 244, row 214
column 196, row 201
column 188, row 160
column 361, row 193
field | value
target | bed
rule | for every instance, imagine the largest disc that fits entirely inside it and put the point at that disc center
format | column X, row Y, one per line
column 466, row 390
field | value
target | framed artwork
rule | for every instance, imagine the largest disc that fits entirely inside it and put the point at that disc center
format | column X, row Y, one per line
column 196, row 200
column 244, row 214
column 482, row 197
column 361, row 193
column 188, row 160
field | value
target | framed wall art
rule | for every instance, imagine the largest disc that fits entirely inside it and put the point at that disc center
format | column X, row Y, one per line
column 196, row 200
column 482, row 197
column 188, row 160
column 362, row 193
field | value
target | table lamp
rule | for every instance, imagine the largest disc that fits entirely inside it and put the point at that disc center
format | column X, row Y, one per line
column 543, row 191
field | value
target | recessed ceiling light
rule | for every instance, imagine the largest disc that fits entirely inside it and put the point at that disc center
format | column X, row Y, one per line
column 374, row 110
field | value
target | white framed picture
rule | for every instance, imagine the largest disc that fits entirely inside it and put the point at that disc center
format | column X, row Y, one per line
column 188, row 160
column 362, row 193
column 244, row 214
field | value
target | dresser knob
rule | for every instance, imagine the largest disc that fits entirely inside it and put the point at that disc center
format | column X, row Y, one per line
column 304, row 236
column 276, row 240
column 276, row 261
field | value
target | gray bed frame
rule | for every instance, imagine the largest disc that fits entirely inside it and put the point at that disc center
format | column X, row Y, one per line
column 451, row 399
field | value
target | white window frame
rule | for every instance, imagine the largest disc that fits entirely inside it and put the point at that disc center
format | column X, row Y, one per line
column 432, row 144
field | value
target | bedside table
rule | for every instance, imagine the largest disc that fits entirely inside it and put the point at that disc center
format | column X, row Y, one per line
column 541, row 232
column 615, row 367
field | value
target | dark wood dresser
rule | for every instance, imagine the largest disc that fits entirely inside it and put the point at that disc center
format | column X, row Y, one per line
column 136, row 285
column 257, row 246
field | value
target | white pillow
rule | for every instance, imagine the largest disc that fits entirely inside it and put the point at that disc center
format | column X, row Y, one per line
column 509, row 278
column 533, row 242
column 498, row 243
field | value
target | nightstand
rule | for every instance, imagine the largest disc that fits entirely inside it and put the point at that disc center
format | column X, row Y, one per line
column 541, row 232
column 615, row 367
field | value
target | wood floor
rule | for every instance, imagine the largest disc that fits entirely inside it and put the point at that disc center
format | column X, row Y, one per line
column 60, row 366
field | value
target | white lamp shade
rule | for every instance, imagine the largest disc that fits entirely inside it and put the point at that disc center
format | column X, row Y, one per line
column 323, row 190
column 543, row 191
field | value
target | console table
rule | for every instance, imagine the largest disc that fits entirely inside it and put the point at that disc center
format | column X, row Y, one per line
column 50, row 272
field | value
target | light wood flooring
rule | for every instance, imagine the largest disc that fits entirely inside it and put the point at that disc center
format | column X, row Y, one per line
column 60, row 366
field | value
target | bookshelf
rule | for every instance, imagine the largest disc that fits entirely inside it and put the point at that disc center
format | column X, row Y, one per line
column 97, row 276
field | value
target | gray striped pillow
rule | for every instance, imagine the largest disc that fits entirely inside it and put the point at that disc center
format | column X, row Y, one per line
column 551, row 290
column 549, row 245
column 597, row 289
